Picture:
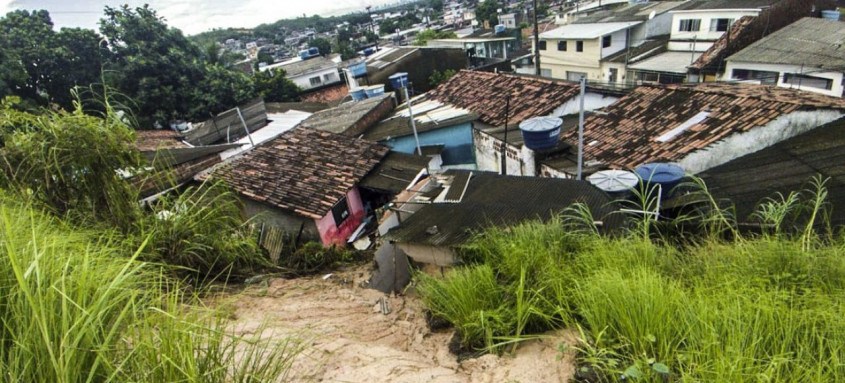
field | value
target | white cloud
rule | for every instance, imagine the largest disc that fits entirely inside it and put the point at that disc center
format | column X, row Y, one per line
column 194, row 16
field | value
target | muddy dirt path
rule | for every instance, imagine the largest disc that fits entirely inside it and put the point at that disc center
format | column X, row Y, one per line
column 348, row 339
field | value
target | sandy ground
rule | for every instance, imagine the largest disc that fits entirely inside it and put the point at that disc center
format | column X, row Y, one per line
column 348, row 339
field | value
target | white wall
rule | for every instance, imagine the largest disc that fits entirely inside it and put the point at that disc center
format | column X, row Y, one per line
column 304, row 82
column 837, row 90
column 757, row 139
column 689, row 46
column 618, row 42
column 704, row 29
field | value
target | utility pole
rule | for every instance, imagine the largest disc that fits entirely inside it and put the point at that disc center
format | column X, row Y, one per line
column 581, row 131
column 536, row 43
column 372, row 25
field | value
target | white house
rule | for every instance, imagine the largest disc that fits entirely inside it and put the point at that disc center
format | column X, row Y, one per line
column 597, row 44
column 696, row 25
column 311, row 73
column 808, row 54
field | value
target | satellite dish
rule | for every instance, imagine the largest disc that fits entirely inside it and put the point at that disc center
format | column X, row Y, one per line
column 651, row 15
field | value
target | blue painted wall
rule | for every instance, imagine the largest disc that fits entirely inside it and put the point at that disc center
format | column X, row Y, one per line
column 457, row 139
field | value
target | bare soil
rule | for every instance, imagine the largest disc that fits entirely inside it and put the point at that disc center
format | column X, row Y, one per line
column 347, row 338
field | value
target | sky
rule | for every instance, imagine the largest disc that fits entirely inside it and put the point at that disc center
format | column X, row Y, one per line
column 192, row 16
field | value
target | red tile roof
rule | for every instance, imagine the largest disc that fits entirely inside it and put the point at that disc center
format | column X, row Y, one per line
column 305, row 171
column 625, row 134
column 484, row 94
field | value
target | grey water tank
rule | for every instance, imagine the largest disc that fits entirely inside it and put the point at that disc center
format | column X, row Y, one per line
column 614, row 182
column 541, row 133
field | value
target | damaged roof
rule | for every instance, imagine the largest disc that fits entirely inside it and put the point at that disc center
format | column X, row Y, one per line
column 305, row 171
column 151, row 140
column 395, row 172
column 484, row 93
column 428, row 115
column 810, row 42
column 666, row 123
column 345, row 116
column 491, row 199
column 735, row 35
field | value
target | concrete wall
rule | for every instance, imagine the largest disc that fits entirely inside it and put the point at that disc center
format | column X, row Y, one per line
column 756, row 139
column 419, row 66
column 560, row 62
column 438, row 256
column 377, row 114
column 457, row 138
column 837, row 90
column 704, row 33
column 288, row 221
column 618, row 42
column 488, row 154
column 304, row 82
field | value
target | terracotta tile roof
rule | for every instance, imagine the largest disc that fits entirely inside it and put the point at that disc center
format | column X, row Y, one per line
column 484, row 94
column 305, row 171
column 150, row 140
column 625, row 134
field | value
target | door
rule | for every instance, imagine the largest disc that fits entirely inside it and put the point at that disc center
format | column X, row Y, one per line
column 614, row 73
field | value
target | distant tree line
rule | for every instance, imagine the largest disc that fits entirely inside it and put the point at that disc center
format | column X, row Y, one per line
column 152, row 69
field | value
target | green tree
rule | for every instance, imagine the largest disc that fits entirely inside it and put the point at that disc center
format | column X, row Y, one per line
column 436, row 5
column 166, row 75
column 323, row 45
column 154, row 64
column 44, row 65
column 438, row 77
column 273, row 86
column 425, row 36
column 487, row 12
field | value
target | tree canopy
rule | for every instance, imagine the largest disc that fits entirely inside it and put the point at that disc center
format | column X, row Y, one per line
column 166, row 76
column 487, row 12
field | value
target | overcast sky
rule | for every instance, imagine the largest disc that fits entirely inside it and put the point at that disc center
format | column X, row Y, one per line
column 192, row 16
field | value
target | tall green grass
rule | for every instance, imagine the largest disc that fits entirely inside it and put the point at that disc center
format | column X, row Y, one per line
column 78, row 306
column 720, row 308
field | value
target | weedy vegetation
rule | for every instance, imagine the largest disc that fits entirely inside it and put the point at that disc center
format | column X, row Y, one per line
column 93, row 284
column 722, row 306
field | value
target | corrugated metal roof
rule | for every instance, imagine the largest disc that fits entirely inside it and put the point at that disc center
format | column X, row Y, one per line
column 811, row 42
column 673, row 62
column 496, row 200
column 587, row 30
column 785, row 167
column 700, row 5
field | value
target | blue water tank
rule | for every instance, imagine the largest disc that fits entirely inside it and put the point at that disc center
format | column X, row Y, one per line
column 303, row 54
column 399, row 80
column 313, row 51
column 358, row 69
column 499, row 29
column 662, row 173
column 541, row 133
column 358, row 94
column 831, row 15
column 369, row 51
column 374, row 90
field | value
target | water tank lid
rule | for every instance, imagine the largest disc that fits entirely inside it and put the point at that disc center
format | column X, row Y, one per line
column 614, row 180
column 660, row 172
column 541, row 124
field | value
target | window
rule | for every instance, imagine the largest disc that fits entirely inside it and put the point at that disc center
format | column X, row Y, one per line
column 545, row 72
column 810, row 81
column 579, row 46
column 720, row 25
column 542, row 45
column 606, row 41
column 340, row 211
column 329, row 77
column 765, row 77
column 690, row 25
column 561, row 46
column 315, row 81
